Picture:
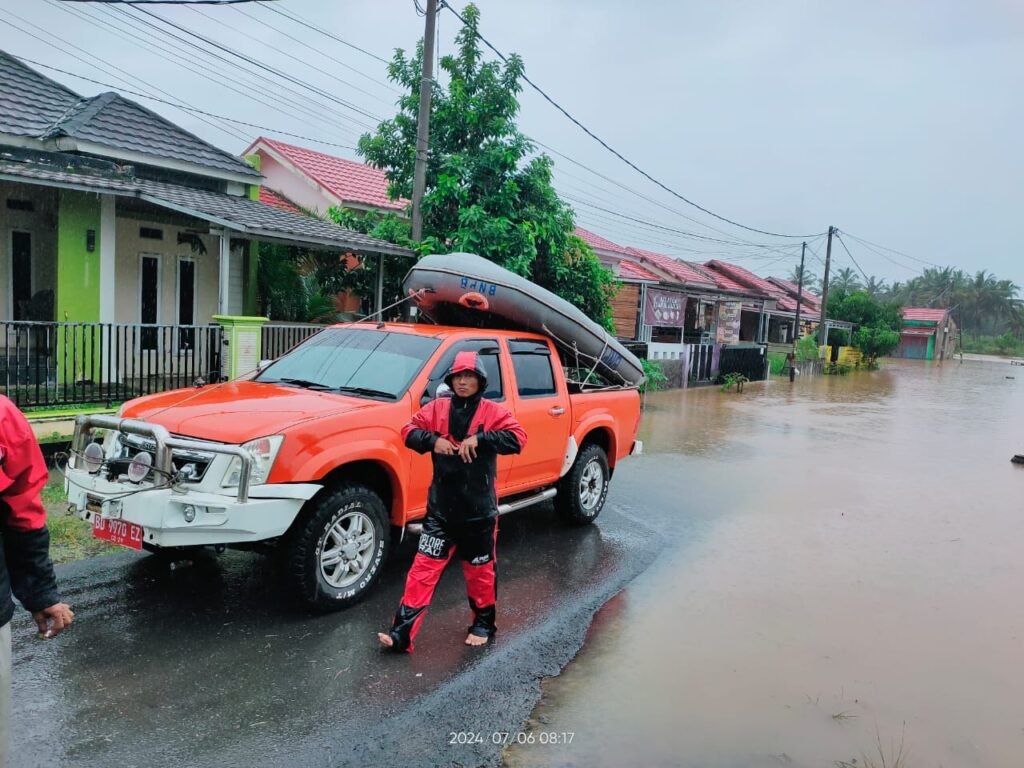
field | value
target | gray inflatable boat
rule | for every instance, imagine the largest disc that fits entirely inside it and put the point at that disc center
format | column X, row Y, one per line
column 469, row 290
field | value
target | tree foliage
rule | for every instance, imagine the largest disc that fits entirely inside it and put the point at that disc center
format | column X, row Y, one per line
column 878, row 322
column 488, row 191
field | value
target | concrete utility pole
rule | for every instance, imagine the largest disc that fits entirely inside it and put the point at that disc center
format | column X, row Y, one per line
column 799, row 299
column 419, row 177
column 822, row 330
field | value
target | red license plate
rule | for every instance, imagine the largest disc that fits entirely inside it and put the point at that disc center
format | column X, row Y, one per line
column 117, row 531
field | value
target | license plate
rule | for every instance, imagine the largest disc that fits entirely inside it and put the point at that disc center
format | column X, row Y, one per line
column 117, row 531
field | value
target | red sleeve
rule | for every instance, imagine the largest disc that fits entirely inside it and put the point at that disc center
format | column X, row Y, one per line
column 23, row 471
column 425, row 418
column 500, row 419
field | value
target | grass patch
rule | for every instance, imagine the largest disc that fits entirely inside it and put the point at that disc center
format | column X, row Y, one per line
column 896, row 757
column 70, row 537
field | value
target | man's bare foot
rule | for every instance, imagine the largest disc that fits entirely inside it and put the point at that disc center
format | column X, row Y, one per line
column 472, row 639
column 385, row 639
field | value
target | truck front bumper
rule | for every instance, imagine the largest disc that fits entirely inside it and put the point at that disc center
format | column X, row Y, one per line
column 161, row 512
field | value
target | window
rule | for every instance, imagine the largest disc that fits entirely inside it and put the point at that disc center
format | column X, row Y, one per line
column 21, row 273
column 488, row 351
column 149, row 299
column 531, row 361
column 14, row 204
column 151, row 233
column 186, row 303
column 379, row 364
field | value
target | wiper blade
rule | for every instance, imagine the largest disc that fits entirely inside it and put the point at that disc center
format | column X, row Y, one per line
column 304, row 383
column 365, row 391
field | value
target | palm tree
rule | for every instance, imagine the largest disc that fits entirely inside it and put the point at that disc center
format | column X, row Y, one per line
column 809, row 278
column 845, row 280
column 875, row 286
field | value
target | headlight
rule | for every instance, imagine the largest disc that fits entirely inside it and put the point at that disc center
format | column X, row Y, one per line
column 263, row 451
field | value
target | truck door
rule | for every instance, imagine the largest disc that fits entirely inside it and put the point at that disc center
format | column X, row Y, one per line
column 490, row 357
column 541, row 406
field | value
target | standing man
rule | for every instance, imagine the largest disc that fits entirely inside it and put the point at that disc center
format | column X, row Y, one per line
column 465, row 434
column 25, row 565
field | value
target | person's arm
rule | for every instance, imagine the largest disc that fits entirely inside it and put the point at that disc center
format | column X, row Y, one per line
column 419, row 434
column 505, row 435
column 26, row 539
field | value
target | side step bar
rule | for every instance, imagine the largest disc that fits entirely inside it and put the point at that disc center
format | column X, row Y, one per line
column 415, row 529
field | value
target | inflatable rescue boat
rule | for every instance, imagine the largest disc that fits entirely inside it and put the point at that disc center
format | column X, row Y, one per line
column 469, row 290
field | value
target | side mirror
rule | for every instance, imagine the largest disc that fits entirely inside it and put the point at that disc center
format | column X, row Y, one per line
column 435, row 390
column 263, row 364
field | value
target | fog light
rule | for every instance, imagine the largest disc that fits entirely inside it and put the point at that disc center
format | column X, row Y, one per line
column 189, row 512
column 93, row 458
column 140, row 467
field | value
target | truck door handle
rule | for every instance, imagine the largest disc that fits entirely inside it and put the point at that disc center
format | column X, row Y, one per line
column 557, row 410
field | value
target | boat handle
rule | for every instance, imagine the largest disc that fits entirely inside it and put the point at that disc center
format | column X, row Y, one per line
column 557, row 410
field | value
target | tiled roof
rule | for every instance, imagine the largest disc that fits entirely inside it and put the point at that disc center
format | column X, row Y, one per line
column 349, row 181
column 270, row 197
column 806, row 297
column 236, row 213
column 745, row 277
column 35, row 106
column 631, row 271
column 677, row 268
column 926, row 314
column 114, row 121
column 29, row 102
column 722, row 281
column 597, row 242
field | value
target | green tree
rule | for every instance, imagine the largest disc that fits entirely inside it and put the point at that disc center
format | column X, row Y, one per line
column 845, row 280
column 875, row 341
column 488, row 190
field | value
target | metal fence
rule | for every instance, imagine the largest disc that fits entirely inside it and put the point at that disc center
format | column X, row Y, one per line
column 47, row 364
column 278, row 338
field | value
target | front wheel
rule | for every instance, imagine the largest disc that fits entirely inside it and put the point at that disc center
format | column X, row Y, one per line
column 581, row 493
column 334, row 552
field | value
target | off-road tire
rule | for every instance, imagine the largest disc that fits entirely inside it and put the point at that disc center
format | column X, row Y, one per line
column 308, row 537
column 574, row 505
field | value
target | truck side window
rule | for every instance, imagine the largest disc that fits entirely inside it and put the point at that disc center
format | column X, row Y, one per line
column 487, row 350
column 531, row 361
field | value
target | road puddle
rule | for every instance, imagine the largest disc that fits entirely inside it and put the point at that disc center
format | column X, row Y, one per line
column 843, row 582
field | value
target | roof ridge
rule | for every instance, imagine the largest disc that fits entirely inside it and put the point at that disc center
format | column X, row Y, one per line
column 79, row 114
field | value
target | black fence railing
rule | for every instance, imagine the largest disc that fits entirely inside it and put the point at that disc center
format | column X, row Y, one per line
column 278, row 338
column 749, row 360
column 48, row 364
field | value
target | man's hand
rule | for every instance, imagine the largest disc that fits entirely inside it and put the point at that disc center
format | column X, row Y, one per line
column 445, row 447
column 53, row 620
column 468, row 449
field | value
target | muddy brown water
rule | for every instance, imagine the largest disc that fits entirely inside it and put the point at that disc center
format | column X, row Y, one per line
column 844, row 575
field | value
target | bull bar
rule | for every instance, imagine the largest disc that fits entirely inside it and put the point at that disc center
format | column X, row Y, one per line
column 165, row 443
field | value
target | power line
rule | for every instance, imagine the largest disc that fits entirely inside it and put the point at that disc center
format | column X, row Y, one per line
column 167, row 2
column 266, row 68
column 268, row 94
column 299, row 20
column 317, row 50
column 867, row 243
column 840, row 239
column 604, row 144
column 183, row 106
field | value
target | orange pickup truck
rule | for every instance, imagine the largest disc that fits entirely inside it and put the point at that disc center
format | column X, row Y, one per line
column 307, row 455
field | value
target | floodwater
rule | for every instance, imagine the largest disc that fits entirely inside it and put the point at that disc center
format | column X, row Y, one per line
column 844, row 580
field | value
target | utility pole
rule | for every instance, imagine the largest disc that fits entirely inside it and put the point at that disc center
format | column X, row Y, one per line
column 419, row 177
column 799, row 299
column 822, row 330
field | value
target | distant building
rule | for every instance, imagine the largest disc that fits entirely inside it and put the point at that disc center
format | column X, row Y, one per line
column 927, row 334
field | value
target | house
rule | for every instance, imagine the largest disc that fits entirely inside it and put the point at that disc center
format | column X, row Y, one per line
column 927, row 334
column 124, row 235
column 316, row 181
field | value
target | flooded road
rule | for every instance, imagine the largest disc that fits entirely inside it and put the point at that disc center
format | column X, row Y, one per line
column 843, row 575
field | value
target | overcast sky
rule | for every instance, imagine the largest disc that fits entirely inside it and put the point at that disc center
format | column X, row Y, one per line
column 898, row 122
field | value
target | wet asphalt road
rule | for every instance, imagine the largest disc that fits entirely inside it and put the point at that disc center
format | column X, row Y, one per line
column 210, row 665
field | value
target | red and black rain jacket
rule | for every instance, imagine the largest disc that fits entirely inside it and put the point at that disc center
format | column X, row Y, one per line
column 25, row 566
column 462, row 491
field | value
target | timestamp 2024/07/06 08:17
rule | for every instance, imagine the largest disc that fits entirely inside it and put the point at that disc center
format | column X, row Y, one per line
column 505, row 738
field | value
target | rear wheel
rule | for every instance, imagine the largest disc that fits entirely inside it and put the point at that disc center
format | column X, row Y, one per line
column 335, row 550
column 582, row 492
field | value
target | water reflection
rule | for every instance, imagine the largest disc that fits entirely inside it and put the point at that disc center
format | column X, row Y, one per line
column 844, row 567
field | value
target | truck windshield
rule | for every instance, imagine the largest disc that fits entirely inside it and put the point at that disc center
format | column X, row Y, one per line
column 363, row 363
